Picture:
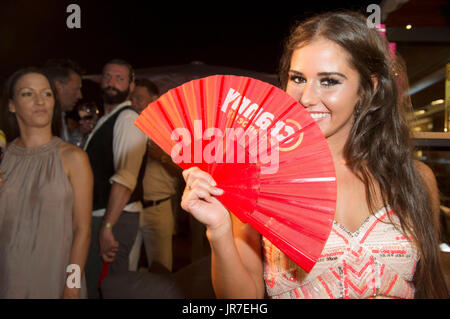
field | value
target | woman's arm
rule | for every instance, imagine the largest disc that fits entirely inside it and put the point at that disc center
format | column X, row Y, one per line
column 237, row 270
column 80, row 175
column 430, row 183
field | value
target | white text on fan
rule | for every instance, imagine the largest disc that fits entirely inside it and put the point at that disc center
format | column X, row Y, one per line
column 235, row 146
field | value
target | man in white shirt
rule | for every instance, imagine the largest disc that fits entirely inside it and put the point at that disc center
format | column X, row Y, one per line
column 116, row 148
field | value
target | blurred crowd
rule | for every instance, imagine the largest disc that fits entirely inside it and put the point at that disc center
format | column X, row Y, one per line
column 134, row 187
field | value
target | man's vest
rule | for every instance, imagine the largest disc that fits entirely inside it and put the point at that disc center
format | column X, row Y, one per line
column 100, row 152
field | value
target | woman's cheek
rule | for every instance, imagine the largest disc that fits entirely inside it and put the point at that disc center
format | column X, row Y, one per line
column 294, row 92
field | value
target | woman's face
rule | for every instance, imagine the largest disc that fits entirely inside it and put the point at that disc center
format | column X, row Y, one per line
column 322, row 80
column 33, row 101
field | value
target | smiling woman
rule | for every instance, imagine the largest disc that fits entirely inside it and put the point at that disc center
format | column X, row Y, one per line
column 323, row 81
column 383, row 242
column 45, row 199
column 367, row 131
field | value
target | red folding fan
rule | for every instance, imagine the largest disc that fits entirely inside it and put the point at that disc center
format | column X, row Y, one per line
column 262, row 148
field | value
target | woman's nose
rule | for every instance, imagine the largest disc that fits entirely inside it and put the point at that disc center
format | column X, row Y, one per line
column 39, row 99
column 309, row 95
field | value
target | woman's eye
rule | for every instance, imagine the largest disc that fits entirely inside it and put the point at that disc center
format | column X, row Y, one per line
column 48, row 94
column 297, row 79
column 329, row 82
column 26, row 94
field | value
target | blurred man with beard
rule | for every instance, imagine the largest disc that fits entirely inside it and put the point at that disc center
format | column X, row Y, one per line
column 116, row 149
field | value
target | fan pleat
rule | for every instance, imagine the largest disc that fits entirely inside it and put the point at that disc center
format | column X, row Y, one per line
column 283, row 236
column 293, row 205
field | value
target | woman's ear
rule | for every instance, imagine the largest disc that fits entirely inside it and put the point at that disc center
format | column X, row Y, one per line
column 11, row 106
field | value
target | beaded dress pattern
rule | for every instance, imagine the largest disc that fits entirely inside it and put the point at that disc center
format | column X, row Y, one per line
column 376, row 261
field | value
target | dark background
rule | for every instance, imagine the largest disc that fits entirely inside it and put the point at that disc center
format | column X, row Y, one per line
column 242, row 34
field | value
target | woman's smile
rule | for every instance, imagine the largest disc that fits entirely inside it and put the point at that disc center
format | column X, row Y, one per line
column 318, row 116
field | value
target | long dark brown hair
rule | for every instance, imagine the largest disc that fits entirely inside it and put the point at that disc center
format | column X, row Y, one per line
column 8, row 120
column 379, row 147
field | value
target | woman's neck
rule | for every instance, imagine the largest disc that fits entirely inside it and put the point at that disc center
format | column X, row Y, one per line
column 336, row 145
column 33, row 137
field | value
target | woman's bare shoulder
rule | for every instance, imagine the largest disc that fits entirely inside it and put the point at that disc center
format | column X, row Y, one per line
column 72, row 155
column 70, row 149
column 430, row 182
column 425, row 172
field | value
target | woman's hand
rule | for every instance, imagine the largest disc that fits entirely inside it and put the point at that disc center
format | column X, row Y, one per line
column 71, row 293
column 198, row 199
column 235, row 247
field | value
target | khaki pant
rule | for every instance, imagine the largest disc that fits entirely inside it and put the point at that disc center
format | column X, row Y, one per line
column 156, row 227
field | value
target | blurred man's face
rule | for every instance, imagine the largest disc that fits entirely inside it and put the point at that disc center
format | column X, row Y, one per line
column 69, row 92
column 140, row 98
column 115, row 83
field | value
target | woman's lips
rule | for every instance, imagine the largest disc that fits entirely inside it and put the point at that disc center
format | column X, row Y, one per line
column 42, row 111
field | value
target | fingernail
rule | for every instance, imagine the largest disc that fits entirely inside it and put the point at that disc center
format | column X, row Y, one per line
column 213, row 183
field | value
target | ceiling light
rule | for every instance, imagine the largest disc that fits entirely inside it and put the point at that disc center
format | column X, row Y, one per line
column 435, row 102
column 419, row 112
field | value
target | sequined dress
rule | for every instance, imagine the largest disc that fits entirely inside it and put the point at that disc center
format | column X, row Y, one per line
column 376, row 261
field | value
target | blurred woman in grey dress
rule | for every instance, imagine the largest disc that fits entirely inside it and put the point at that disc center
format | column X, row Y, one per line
column 45, row 199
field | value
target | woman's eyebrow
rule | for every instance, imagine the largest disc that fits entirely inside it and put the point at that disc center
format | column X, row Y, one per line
column 320, row 74
column 332, row 73
column 33, row 89
column 295, row 72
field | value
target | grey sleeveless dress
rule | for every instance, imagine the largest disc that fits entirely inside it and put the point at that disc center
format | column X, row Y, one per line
column 35, row 222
